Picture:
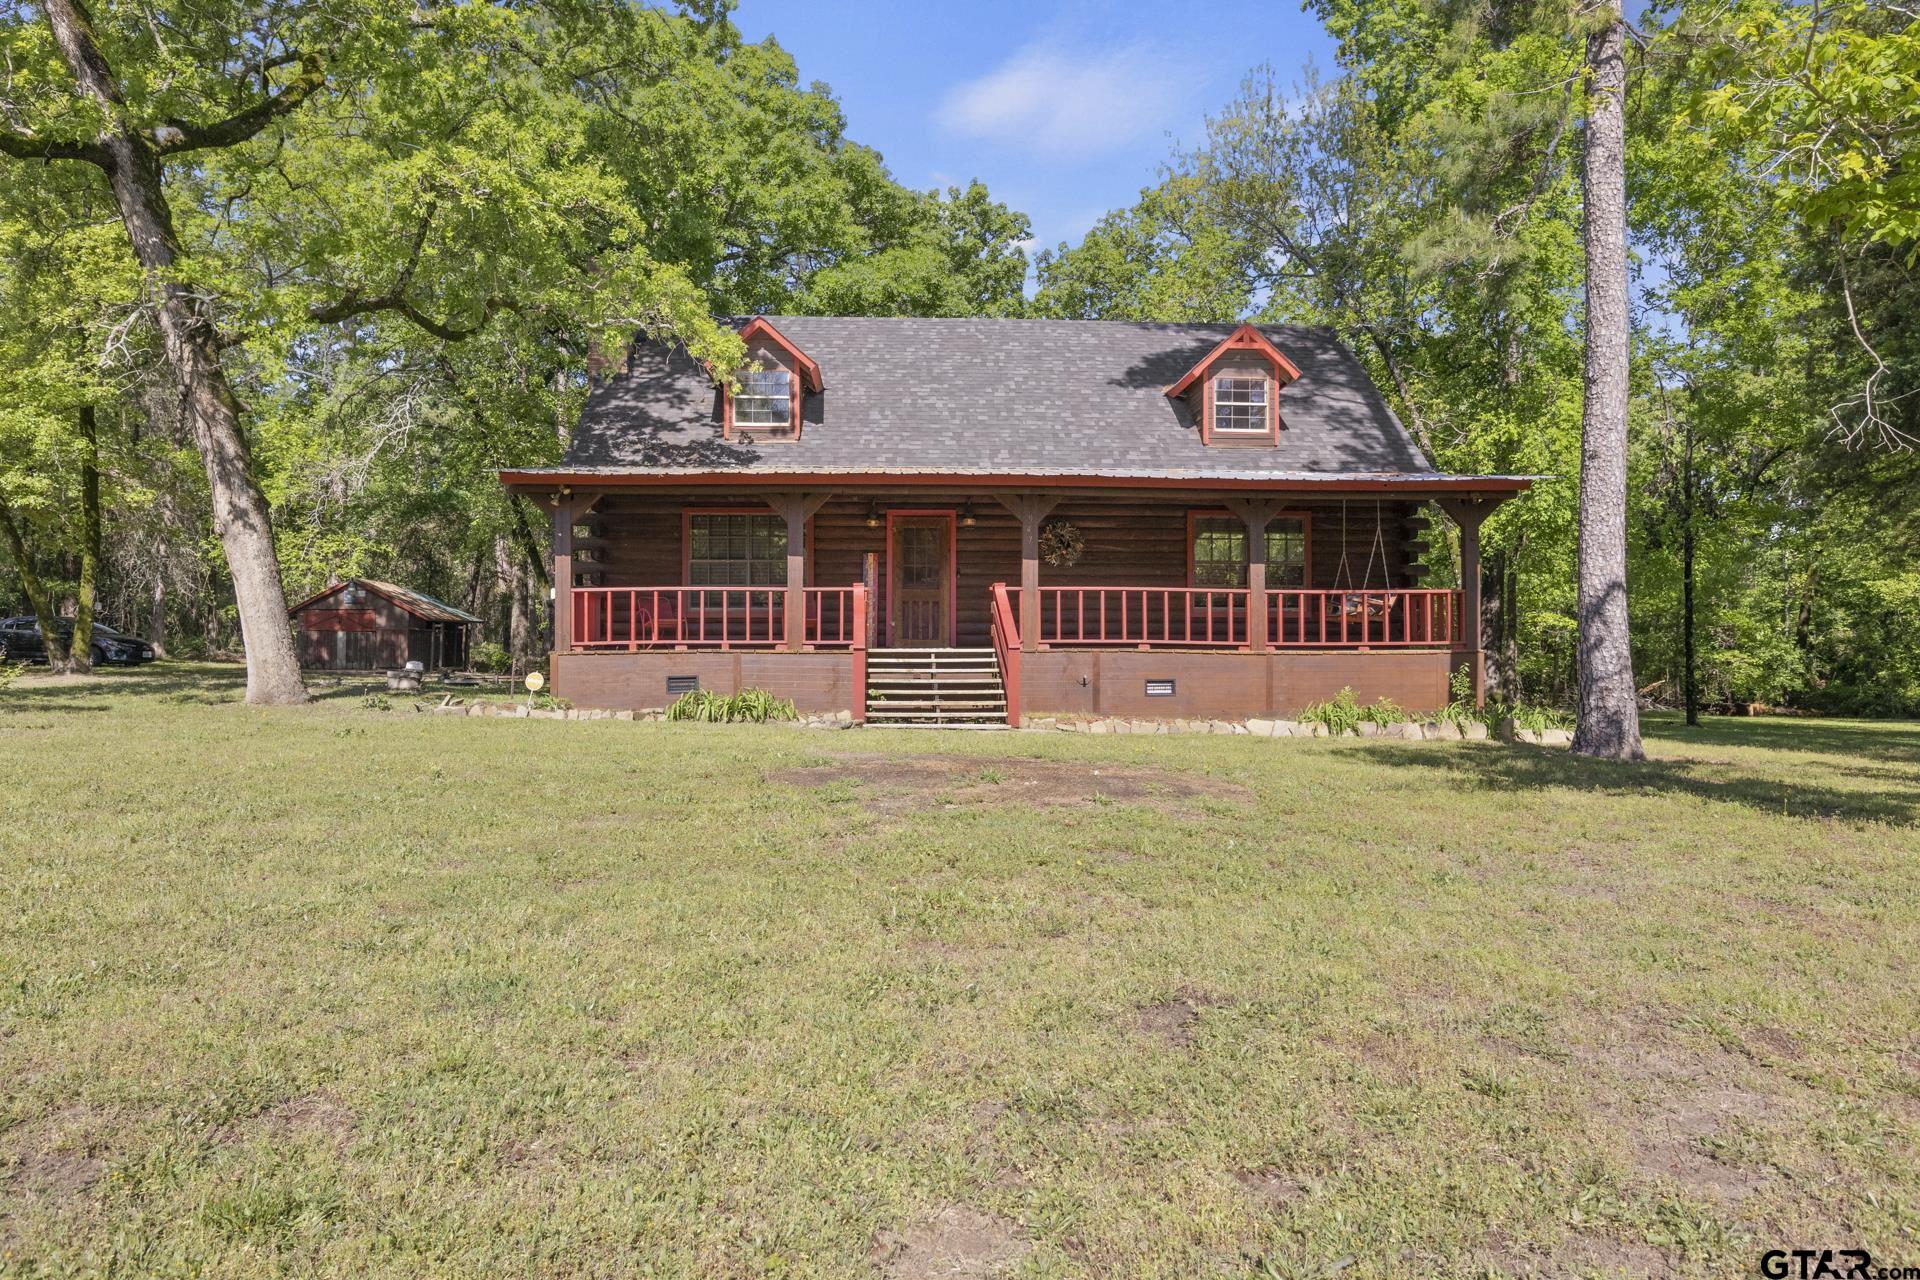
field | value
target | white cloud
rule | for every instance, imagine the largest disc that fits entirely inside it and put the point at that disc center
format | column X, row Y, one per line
column 1062, row 101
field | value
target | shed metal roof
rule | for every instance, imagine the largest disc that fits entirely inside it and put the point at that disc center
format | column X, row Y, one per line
column 418, row 603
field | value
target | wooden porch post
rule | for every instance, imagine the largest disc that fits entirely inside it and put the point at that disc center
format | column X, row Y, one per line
column 562, row 571
column 1258, row 513
column 797, row 508
column 1469, row 513
column 1030, row 509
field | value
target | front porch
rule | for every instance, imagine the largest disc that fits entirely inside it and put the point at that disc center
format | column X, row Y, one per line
column 1181, row 604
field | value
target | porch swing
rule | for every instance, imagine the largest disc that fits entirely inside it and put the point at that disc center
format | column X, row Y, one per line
column 1365, row 602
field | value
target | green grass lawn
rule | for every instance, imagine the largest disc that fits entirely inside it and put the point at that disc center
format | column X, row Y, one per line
column 351, row 992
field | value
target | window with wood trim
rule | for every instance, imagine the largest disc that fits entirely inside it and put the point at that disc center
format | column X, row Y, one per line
column 764, row 400
column 747, row 550
column 1219, row 551
column 1287, row 551
column 1240, row 404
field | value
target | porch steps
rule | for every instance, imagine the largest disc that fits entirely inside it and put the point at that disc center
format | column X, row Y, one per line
column 935, row 689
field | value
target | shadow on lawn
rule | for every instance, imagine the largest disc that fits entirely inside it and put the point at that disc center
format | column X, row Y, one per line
column 203, row 684
column 186, row 683
column 1525, row 768
column 1882, row 741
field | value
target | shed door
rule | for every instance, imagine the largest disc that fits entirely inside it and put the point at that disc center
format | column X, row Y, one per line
column 353, row 650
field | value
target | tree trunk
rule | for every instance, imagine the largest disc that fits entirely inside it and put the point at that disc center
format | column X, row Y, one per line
column 240, row 514
column 518, row 639
column 1497, row 624
column 157, row 615
column 36, row 592
column 80, row 657
column 1609, row 717
column 1690, row 675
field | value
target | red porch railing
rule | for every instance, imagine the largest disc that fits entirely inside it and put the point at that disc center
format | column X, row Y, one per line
column 836, row 616
column 1216, row 618
column 1415, row 617
column 1150, row 617
column 634, row 618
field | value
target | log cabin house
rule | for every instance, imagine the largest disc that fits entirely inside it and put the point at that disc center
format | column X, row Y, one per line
column 973, row 521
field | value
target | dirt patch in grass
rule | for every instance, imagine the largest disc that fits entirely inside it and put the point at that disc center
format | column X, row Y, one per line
column 1677, row 1139
column 1171, row 1022
column 1270, row 1189
column 312, row 1115
column 1680, row 1107
column 1581, row 1254
column 55, row 1158
column 957, row 1242
column 905, row 784
column 57, row 1175
column 1772, row 1043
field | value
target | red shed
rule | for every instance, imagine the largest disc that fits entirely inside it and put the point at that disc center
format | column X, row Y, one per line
column 365, row 625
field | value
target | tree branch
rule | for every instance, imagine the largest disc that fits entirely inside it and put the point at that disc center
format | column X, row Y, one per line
column 354, row 305
column 25, row 146
column 177, row 135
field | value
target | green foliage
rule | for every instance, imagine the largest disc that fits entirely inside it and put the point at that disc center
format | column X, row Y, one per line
column 1341, row 713
column 1385, row 711
column 415, row 267
column 1425, row 202
column 1526, row 715
column 9, row 672
column 700, row 705
column 488, row 656
column 759, row 706
column 749, row 705
column 1460, row 709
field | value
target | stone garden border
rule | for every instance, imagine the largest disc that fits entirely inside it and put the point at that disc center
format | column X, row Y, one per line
column 1412, row 730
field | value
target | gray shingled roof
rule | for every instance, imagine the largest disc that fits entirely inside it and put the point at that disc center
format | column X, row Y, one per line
column 1026, row 397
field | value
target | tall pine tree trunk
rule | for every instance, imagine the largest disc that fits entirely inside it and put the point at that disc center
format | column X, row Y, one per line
column 1609, row 722
column 187, row 332
column 1690, row 677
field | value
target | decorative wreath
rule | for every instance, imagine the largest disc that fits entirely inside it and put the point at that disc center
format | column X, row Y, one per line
column 1060, row 544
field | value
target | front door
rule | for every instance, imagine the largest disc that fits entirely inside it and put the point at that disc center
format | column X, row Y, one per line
column 920, row 585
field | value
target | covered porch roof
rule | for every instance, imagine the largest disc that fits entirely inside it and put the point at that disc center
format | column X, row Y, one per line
column 547, row 480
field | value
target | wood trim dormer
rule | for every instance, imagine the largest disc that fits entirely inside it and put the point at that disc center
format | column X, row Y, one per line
column 759, row 333
column 1244, row 349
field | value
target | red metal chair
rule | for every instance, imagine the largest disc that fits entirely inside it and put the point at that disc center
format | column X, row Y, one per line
column 651, row 627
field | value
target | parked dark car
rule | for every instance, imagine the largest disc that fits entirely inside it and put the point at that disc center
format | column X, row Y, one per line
column 20, row 641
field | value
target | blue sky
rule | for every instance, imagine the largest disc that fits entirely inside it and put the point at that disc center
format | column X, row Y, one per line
column 1064, row 108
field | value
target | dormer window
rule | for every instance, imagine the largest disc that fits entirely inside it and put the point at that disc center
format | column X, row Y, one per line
column 765, row 399
column 1240, row 405
column 1233, row 391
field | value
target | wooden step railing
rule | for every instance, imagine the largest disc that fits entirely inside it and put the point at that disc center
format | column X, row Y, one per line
column 1006, row 648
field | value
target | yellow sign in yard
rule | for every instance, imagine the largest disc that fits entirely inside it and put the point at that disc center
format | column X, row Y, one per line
column 534, row 681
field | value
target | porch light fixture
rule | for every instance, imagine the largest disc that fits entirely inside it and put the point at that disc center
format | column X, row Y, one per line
column 873, row 516
column 966, row 514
